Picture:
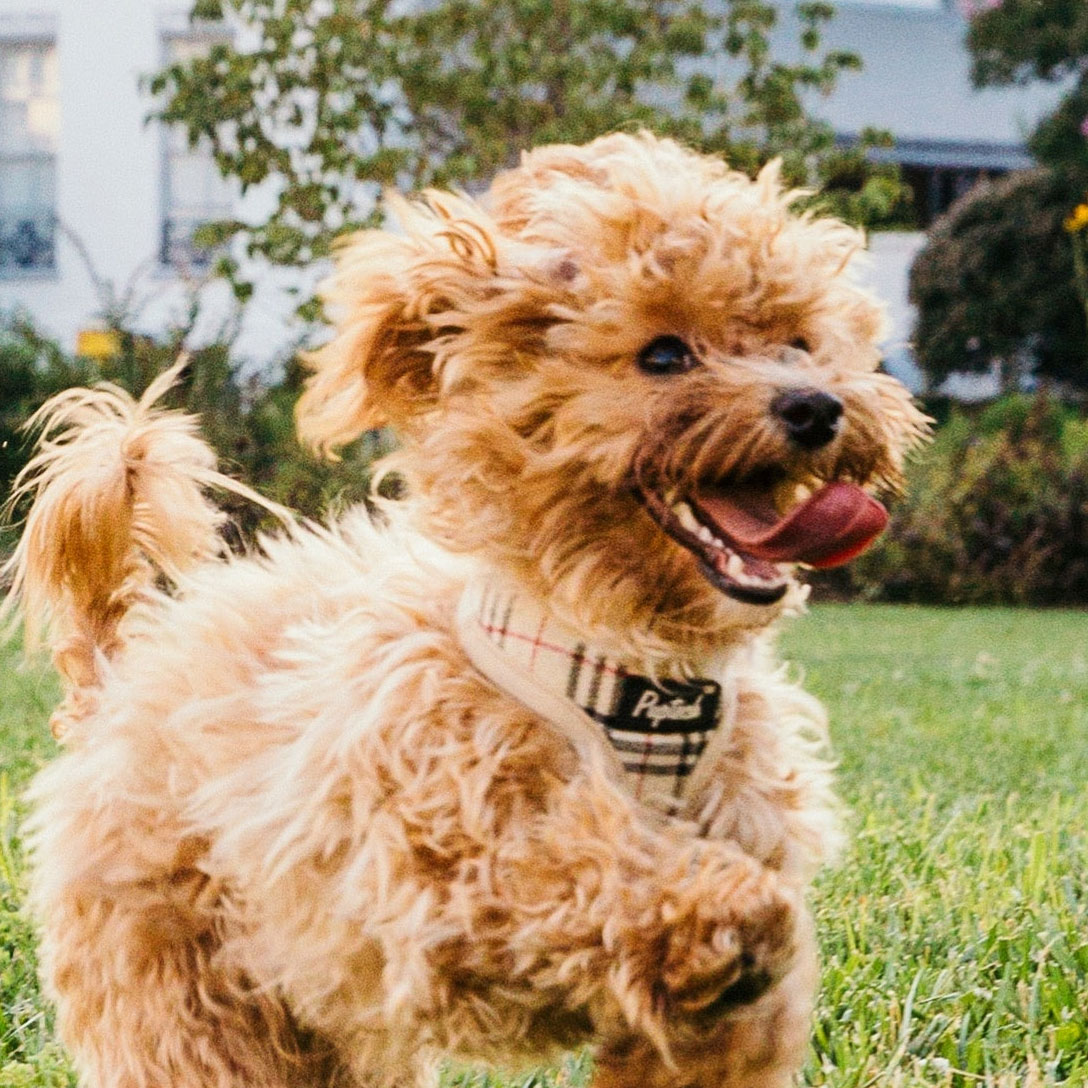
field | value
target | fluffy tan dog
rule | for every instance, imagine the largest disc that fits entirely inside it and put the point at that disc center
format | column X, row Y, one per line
column 515, row 770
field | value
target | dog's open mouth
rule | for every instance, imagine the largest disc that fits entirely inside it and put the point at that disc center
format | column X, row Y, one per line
column 747, row 548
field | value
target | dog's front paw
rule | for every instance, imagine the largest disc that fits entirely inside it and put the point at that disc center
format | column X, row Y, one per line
column 727, row 940
column 708, row 938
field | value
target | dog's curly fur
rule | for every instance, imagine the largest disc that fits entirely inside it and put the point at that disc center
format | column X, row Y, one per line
column 295, row 837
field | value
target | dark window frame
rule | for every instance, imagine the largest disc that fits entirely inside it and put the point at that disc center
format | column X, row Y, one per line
column 28, row 236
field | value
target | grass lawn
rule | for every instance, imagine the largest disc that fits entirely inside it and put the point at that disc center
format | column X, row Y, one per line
column 955, row 929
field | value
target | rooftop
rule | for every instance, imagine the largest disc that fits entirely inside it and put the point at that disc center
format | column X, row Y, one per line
column 916, row 83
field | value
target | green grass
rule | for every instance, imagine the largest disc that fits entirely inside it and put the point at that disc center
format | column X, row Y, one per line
column 955, row 929
column 29, row 1058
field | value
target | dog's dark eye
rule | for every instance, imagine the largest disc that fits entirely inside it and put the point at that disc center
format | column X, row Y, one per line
column 801, row 344
column 667, row 355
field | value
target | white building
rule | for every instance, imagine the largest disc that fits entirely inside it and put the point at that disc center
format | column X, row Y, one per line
column 97, row 203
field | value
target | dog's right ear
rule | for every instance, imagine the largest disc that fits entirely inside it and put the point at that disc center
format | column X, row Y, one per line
column 392, row 297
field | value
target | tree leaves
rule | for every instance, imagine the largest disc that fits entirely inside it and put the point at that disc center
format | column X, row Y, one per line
column 995, row 282
column 1019, row 41
column 317, row 105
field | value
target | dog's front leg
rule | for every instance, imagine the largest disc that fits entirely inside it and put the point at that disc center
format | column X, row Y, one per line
column 761, row 1045
column 650, row 930
column 769, row 790
column 493, row 894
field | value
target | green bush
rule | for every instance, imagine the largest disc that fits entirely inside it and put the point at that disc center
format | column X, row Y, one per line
column 32, row 368
column 250, row 423
column 995, row 282
column 996, row 511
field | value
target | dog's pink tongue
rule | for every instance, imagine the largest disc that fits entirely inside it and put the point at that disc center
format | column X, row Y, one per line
column 838, row 522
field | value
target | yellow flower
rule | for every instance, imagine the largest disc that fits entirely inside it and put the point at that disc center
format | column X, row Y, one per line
column 1078, row 220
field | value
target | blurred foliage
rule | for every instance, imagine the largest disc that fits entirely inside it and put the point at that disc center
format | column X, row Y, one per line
column 996, row 282
column 323, row 103
column 1017, row 41
column 32, row 369
column 248, row 421
column 995, row 512
column 996, row 509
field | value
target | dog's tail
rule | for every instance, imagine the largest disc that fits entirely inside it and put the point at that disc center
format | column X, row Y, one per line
column 118, row 503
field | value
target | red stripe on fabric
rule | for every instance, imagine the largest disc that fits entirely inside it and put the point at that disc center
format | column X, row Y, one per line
column 491, row 630
column 536, row 641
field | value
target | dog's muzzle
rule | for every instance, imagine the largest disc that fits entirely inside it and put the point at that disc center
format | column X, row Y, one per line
column 746, row 546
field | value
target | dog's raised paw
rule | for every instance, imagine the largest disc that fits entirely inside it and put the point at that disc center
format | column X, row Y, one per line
column 727, row 950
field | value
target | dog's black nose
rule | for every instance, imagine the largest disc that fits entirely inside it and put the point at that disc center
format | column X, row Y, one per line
column 811, row 417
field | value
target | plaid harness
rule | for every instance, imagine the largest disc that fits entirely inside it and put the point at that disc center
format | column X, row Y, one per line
column 657, row 729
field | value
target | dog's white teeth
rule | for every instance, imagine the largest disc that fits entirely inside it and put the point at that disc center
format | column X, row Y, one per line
column 691, row 523
column 738, row 572
column 686, row 518
column 735, row 567
column 747, row 579
column 752, row 580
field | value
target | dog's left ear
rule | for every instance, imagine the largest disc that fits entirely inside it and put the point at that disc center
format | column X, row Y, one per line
column 396, row 298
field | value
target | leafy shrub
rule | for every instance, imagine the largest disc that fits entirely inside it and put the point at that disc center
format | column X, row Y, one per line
column 995, row 282
column 996, row 512
column 32, row 368
column 250, row 423
column 996, row 508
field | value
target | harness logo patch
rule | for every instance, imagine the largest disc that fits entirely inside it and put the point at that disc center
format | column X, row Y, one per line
column 674, row 706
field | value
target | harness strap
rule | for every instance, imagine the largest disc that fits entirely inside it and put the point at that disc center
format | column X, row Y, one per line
column 653, row 735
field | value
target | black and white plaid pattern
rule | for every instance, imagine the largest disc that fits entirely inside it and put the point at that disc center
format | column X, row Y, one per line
column 659, row 729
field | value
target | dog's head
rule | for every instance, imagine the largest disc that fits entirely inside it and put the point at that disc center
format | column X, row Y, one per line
column 629, row 376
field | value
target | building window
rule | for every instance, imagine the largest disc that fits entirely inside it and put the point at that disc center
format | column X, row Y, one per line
column 29, row 123
column 194, row 192
column 937, row 188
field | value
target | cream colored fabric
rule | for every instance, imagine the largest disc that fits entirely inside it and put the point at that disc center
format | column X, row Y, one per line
column 523, row 649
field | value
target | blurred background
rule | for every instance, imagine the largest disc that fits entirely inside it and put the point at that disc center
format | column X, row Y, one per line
column 172, row 175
